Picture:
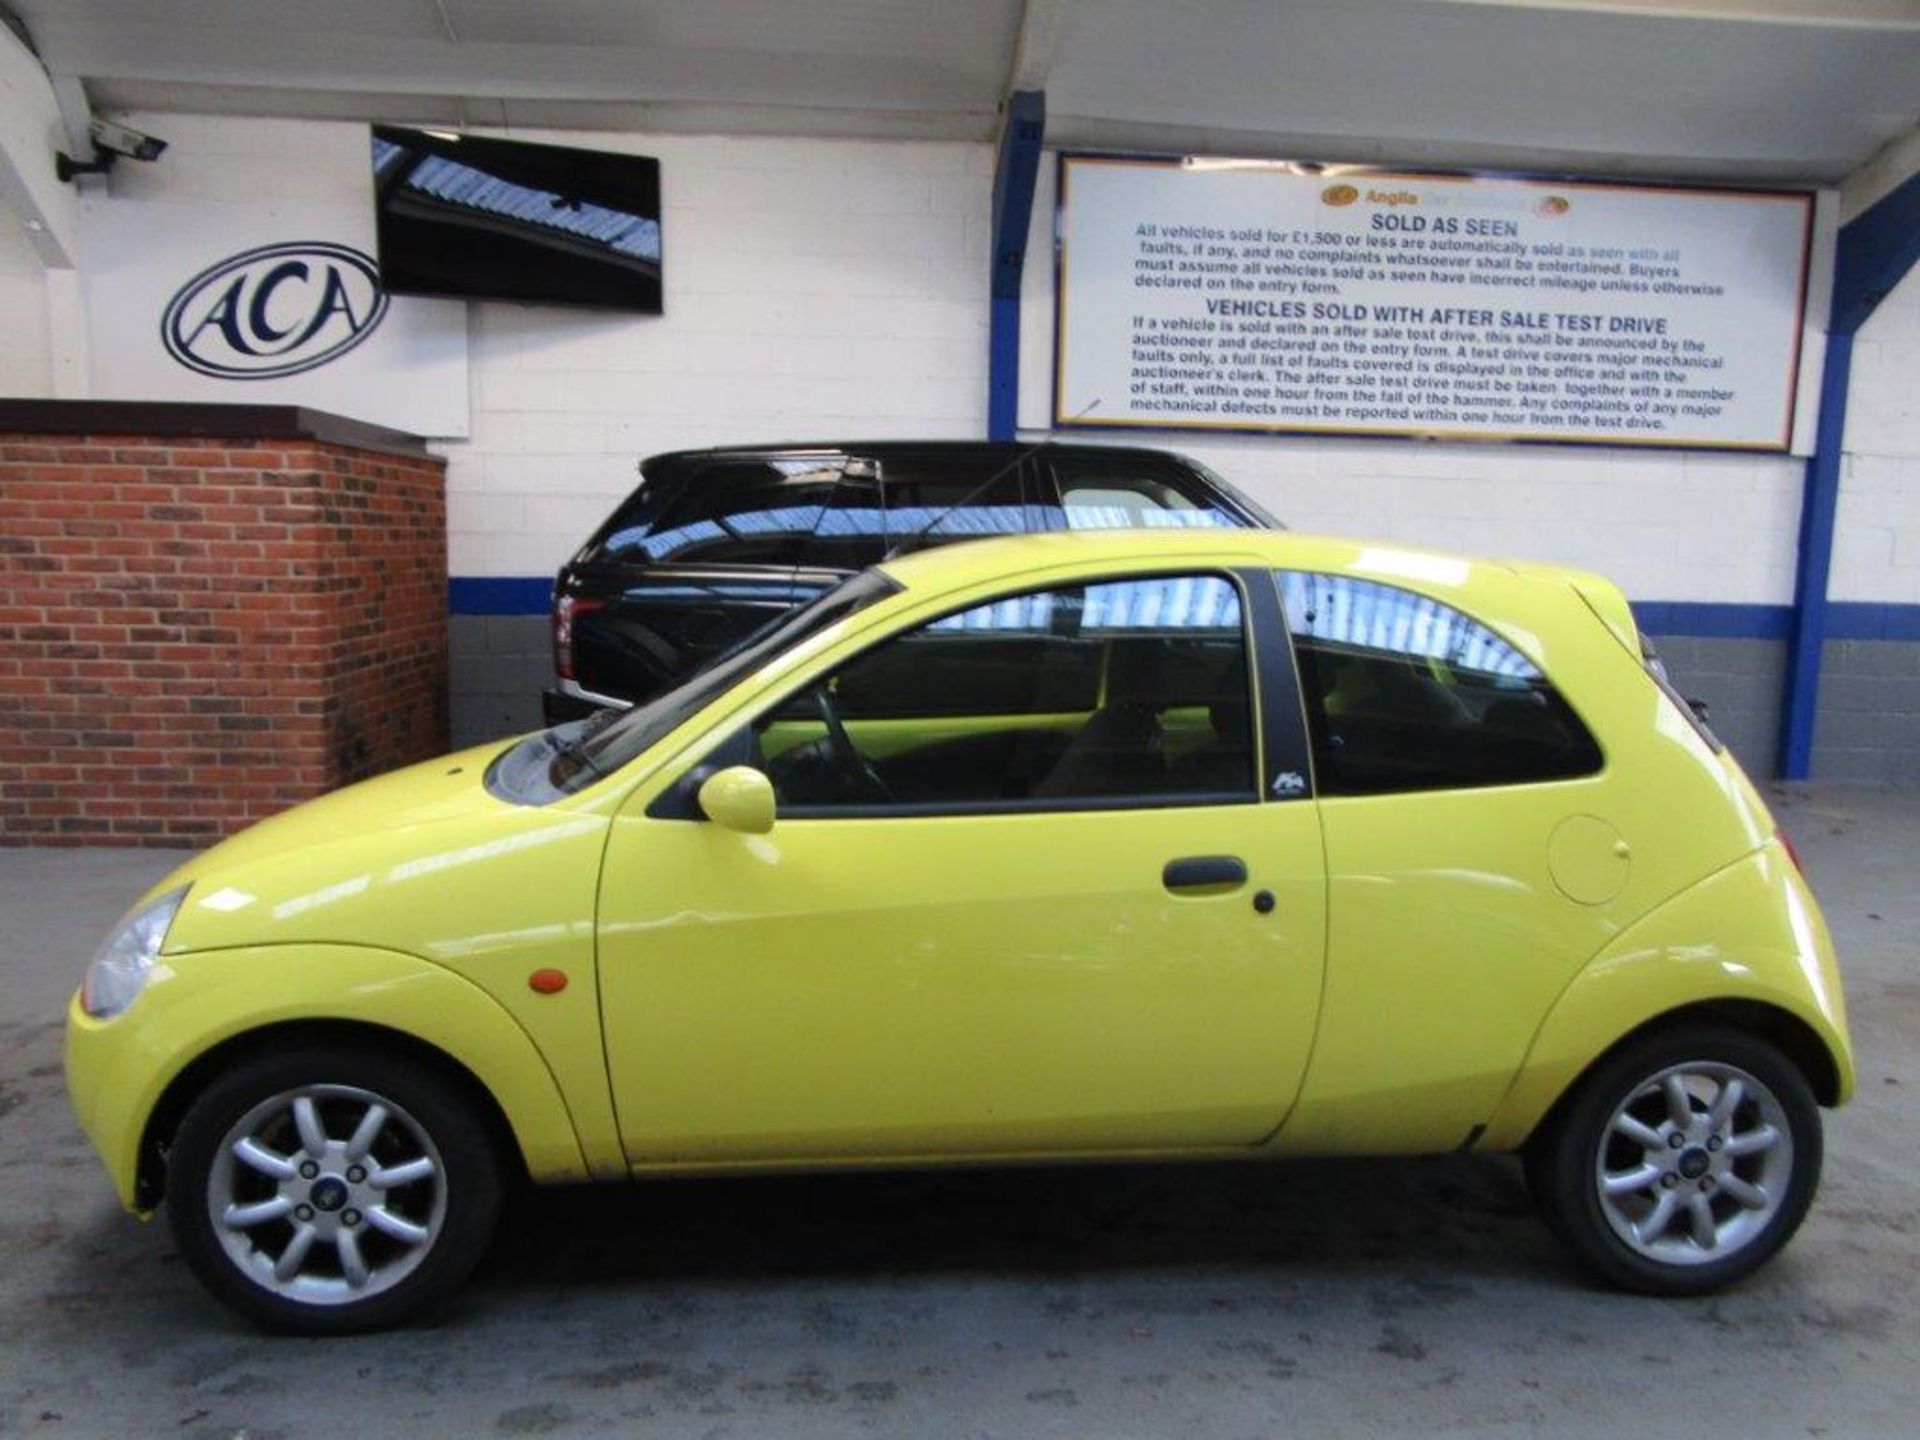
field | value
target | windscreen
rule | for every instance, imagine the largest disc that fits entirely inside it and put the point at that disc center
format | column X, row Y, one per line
column 566, row 758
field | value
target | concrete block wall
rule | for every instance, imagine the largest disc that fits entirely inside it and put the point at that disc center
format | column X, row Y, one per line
column 1869, row 731
column 1740, row 681
column 499, row 666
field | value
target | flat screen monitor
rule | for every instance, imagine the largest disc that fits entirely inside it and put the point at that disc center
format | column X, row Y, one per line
column 505, row 220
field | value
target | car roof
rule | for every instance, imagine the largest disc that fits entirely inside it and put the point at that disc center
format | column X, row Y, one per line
column 881, row 449
column 957, row 566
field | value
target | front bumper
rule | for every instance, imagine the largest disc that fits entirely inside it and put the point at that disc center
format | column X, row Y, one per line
column 109, row 1080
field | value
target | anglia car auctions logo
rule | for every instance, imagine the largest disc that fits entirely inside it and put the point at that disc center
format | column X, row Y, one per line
column 274, row 311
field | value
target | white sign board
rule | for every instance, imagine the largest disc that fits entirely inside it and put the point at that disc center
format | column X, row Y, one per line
column 264, row 303
column 1252, row 295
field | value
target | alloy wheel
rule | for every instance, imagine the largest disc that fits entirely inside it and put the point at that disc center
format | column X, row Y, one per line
column 327, row 1194
column 1694, row 1163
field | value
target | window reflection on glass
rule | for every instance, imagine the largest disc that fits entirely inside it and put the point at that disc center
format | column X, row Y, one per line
column 753, row 513
column 815, row 514
column 1119, row 495
column 1349, row 611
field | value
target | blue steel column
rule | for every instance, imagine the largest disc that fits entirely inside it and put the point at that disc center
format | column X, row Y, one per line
column 1014, row 174
column 1874, row 252
column 1819, row 503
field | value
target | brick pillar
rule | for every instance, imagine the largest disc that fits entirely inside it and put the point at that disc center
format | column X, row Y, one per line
column 196, row 633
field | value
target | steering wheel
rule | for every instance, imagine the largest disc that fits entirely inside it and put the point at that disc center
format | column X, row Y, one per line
column 854, row 767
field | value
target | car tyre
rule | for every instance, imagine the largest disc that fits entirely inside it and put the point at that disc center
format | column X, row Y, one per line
column 327, row 1190
column 1682, row 1162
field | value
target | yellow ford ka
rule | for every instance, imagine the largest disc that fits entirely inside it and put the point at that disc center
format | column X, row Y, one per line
column 1062, row 847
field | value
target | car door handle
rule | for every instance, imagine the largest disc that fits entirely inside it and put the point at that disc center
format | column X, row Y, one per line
column 1205, row 872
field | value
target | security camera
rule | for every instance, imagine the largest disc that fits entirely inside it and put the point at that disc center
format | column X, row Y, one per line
column 110, row 143
column 119, row 140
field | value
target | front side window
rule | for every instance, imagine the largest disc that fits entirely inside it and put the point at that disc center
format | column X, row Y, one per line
column 1406, row 693
column 1132, row 691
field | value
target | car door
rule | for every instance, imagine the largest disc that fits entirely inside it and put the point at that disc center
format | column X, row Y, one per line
column 1036, row 897
column 1471, row 856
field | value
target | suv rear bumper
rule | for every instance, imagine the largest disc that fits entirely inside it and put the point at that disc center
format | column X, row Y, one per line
column 566, row 701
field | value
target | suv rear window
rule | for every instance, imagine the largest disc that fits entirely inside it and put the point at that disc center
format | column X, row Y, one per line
column 823, row 512
column 732, row 512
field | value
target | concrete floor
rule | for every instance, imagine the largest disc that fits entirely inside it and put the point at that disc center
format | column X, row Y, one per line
column 1312, row 1299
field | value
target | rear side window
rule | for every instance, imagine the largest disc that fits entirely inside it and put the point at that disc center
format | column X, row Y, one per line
column 932, row 503
column 735, row 512
column 1122, row 493
column 1405, row 693
column 913, row 502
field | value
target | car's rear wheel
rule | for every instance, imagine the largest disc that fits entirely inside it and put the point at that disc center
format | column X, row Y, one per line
column 1683, row 1162
column 331, row 1190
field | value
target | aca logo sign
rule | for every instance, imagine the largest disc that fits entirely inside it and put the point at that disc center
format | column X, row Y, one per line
column 274, row 311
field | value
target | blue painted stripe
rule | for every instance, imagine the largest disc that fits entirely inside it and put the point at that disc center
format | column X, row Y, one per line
column 1846, row 619
column 499, row 594
column 1708, row 620
column 1868, row 620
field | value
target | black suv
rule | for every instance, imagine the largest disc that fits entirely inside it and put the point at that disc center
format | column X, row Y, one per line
column 716, row 543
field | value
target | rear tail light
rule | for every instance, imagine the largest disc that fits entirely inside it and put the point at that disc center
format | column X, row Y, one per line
column 1792, row 854
column 566, row 610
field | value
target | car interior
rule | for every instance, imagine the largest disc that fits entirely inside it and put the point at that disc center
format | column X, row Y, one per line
column 952, row 719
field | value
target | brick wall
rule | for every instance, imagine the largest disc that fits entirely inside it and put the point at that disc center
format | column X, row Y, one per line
column 195, row 634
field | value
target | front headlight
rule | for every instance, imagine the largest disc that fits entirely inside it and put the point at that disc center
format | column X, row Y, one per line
column 118, row 973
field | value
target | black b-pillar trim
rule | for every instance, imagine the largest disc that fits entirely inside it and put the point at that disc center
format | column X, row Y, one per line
column 1283, row 717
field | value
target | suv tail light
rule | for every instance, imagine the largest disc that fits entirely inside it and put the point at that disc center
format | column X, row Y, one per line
column 566, row 610
column 1786, row 844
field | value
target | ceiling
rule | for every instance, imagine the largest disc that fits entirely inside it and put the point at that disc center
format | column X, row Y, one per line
column 1739, row 89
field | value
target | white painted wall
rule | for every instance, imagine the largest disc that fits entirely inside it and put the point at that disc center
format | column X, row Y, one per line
column 1876, row 553
column 814, row 289
column 38, row 218
column 838, row 289
column 31, row 130
column 1664, row 524
column 26, row 365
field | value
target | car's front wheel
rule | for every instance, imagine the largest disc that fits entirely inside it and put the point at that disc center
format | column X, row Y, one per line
column 327, row 1190
column 1683, row 1162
